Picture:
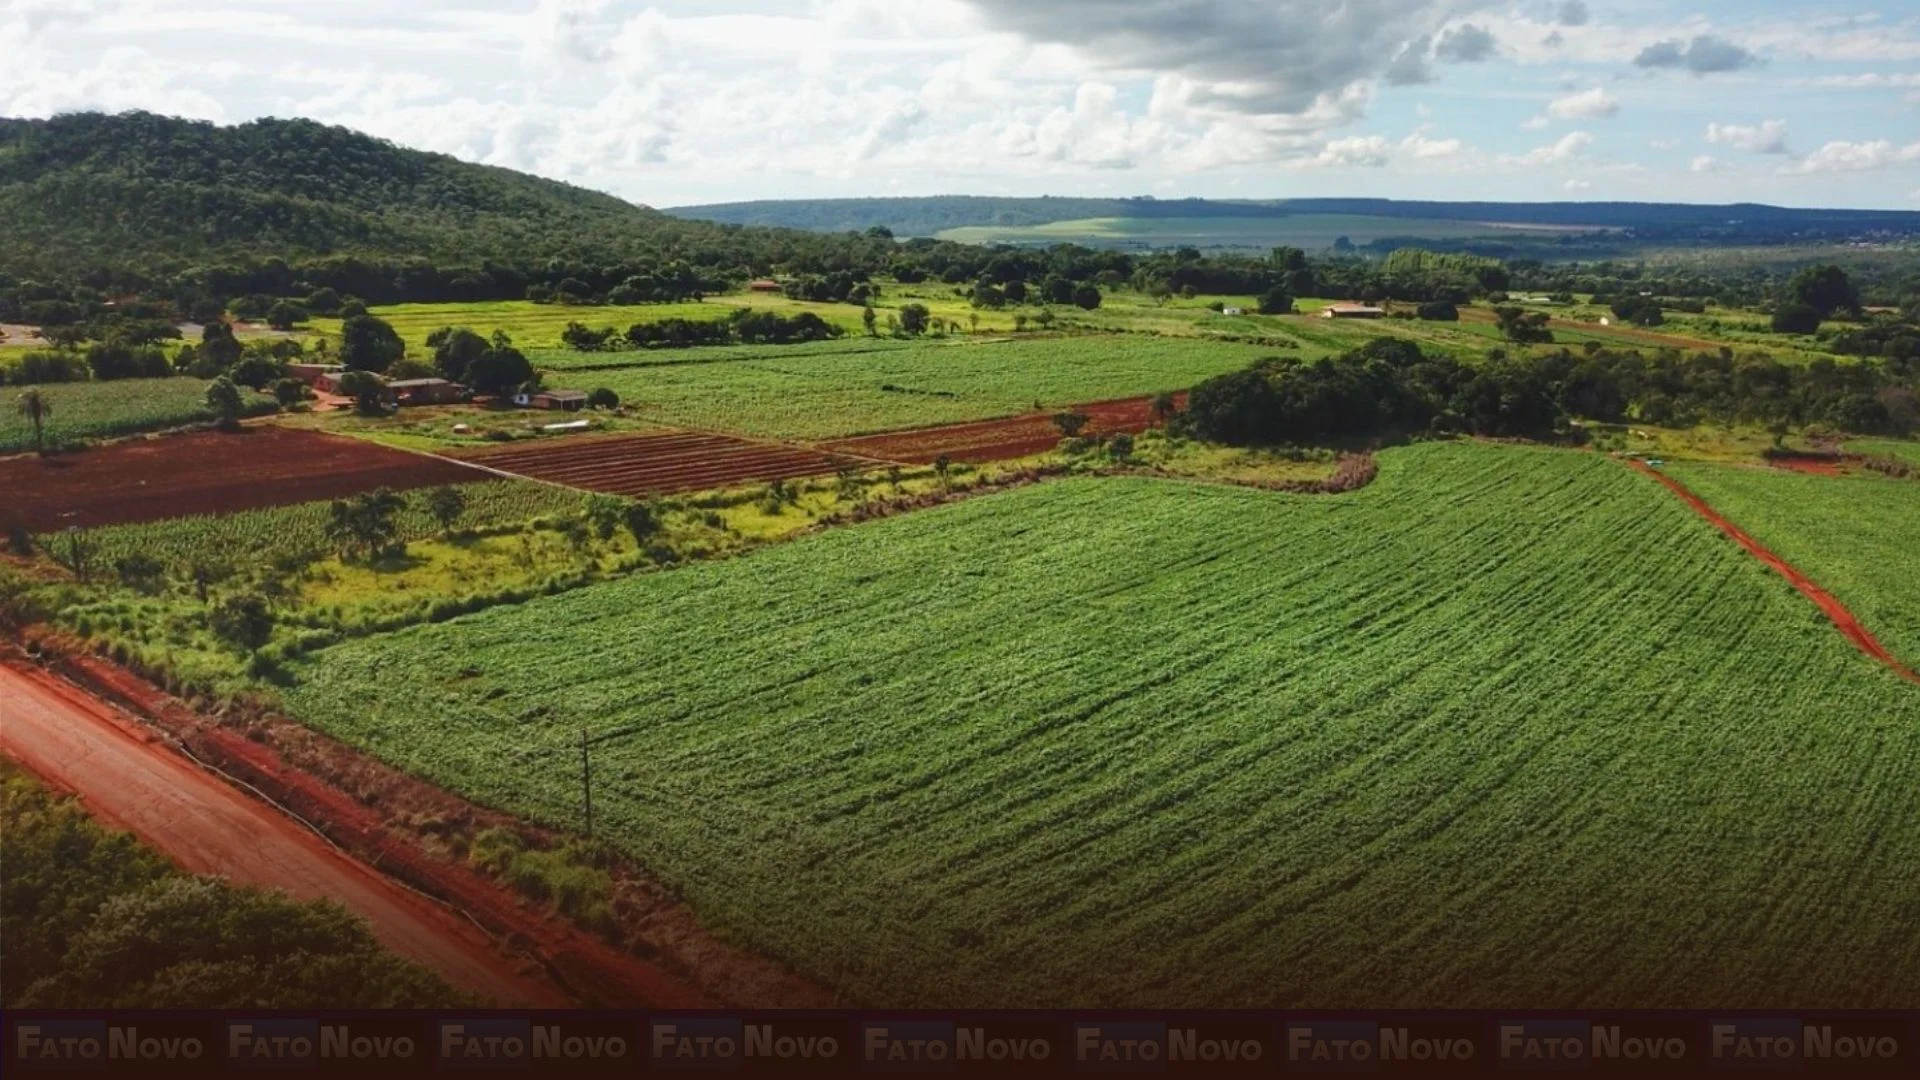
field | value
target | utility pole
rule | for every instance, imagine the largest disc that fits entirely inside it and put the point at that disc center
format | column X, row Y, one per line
column 586, row 781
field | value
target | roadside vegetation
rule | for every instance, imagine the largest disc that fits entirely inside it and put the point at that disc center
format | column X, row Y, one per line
column 93, row 919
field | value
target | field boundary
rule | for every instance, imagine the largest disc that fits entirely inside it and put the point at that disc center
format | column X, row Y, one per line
column 1843, row 618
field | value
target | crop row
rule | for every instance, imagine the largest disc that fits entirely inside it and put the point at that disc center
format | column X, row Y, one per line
column 257, row 535
column 1857, row 537
column 832, row 395
column 1509, row 725
column 99, row 410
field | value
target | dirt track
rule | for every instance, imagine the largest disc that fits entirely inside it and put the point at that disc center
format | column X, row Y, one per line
column 1826, row 601
column 78, row 745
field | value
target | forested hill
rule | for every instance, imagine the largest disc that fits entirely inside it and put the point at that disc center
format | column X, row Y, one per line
column 931, row 215
column 88, row 190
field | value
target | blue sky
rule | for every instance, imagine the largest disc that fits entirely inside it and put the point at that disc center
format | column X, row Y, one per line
column 685, row 101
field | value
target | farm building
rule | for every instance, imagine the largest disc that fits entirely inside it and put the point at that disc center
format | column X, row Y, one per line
column 562, row 400
column 427, row 392
column 1233, row 311
column 1353, row 311
column 328, row 382
column 311, row 374
column 764, row 285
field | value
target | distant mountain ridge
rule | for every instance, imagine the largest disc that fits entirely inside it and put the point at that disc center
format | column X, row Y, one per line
column 931, row 215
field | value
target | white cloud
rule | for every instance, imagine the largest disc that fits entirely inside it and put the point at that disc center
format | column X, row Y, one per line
column 1846, row 157
column 1769, row 137
column 1568, row 148
column 1421, row 148
column 1594, row 104
column 1579, row 185
column 1369, row 151
column 1467, row 44
column 1706, row 163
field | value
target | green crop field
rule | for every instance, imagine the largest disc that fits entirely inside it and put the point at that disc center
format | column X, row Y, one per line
column 1509, row 727
column 1904, row 451
column 825, row 395
column 567, row 360
column 538, row 326
column 258, row 535
column 1858, row 537
column 97, row 410
column 1313, row 232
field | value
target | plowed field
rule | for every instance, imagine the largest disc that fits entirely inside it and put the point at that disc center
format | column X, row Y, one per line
column 656, row 464
column 998, row 440
column 206, row 473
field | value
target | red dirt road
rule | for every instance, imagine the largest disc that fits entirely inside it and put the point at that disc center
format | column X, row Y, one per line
column 998, row 440
column 666, row 463
column 1826, row 601
column 78, row 745
column 207, row 473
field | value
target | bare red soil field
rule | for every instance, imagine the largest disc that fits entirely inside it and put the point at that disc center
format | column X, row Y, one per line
column 998, row 440
column 1848, row 623
column 206, row 473
column 664, row 463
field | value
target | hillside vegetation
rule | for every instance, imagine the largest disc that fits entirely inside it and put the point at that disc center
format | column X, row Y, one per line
column 87, row 189
column 1505, row 727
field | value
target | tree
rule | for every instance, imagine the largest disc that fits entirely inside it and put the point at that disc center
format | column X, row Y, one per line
column 1796, row 318
column 1162, row 408
column 454, row 351
column 1276, row 301
column 1086, row 297
column 1524, row 327
column 369, row 344
column 219, row 350
column 289, row 392
column 499, row 370
column 943, row 468
column 256, row 371
column 642, row 521
column 603, row 398
column 1825, row 289
column 604, row 514
column 141, row 572
column 285, row 315
column 324, row 301
column 365, row 526
column 1439, row 311
column 1120, row 447
column 244, row 620
column 36, row 406
column 914, row 319
column 870, row 320
column 1071, row 423
column 445, row 505
column 1640, row 311
column 223, row 398
column 368, row 392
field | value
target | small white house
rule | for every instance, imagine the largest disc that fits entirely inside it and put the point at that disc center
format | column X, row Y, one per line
column 1233, row 311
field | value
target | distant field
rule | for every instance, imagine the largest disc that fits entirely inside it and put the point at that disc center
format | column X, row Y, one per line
column 538, row 326
column 1310, row 231
column 832, row 395
column 1905, row 451
column 96, row 410
column 1509, row 727
column 1858, row 537
column 569, row 360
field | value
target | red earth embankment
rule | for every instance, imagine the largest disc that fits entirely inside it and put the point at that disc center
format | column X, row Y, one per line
column 1848, row 623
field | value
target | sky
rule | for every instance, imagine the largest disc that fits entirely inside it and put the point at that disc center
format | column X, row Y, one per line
column 675, row 102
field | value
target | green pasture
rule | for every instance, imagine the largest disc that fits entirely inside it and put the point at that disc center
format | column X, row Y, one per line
column 98, row 410
column 1511, row 727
